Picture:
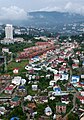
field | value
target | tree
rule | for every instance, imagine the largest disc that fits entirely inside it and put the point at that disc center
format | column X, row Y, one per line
column 72, row 116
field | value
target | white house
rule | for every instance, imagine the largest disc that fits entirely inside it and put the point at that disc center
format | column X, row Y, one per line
column 34, row 87
column 15, row 71
column 18, row 60
column 52, row 82
column 23, row 81
column 5, row 49
column 76, row 61
column 56, row 77
column 82, row 93
column 48, row 111
column 2, row 110
column 28, row 97
column 82, row 76
column 18, row 80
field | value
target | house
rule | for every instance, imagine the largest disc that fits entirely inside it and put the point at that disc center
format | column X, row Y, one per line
column 28, row 97
column 82, row 76
column 30, row 77
column 15, row 101
column 2, row 110
column 16, row 70
column 18, row 60
column 5, row 50
column 48, row 111
column 56, row 77
column 52, row 97
column 82, row 93
column 69, row 87
column 48, row 76
column 64, row 76
column 79, row 88
column 74, row 66
column 60, row 107
column 52, row 82
column 33, row 77
column 75, row 79
column 18, row 80
column 43, row 99
column 62, row 70
column 65, row 99
column 23, row 81
column 81, row 84
column 81, row 98
column 34, row 87
column 9, row 89
column 76, row 61
column 56, row 89
column 60, row 60
column 32, row 105
column 21, row 89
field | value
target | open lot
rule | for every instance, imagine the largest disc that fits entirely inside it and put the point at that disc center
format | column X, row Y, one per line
column 11, row 66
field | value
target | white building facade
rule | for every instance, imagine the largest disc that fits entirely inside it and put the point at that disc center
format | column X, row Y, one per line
column 9, row 31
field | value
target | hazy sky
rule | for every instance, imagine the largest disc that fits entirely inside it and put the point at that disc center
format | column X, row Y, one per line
column 17, row 9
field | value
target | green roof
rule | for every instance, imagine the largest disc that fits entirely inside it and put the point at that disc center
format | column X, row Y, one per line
column 60, row 104
column 15, row 98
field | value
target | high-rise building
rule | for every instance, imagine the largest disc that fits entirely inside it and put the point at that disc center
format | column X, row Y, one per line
column 9, row 31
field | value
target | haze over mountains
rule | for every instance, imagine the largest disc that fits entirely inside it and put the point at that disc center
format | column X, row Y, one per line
column 52, row 18
column 43, row 17
column 47, row 19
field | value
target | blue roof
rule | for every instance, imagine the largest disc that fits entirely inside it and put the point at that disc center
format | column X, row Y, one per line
column 57, row 89
column 74, row 80
column 36, row 57
column 13, row 118
column 21, row 87
column 82, row 82
column 76, row 76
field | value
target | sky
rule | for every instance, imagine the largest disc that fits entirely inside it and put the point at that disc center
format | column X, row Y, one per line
column 18, row 9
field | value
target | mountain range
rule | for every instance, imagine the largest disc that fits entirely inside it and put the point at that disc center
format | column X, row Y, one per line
column 43, row 18
column 48, row 19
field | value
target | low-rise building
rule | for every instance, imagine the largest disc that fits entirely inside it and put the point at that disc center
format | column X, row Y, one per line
column 60, row 108
column 9, row 89
column 15, row 101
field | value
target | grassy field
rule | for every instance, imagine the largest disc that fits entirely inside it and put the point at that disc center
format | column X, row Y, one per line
column 20, row 66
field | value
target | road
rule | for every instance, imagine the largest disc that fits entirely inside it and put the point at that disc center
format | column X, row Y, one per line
column 75, row 95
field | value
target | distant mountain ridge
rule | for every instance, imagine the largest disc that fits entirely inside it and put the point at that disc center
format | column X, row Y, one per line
column 43, row 18
column 52, row 18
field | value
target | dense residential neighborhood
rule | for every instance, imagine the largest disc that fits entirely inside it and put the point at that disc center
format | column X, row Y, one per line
column 44, row 81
